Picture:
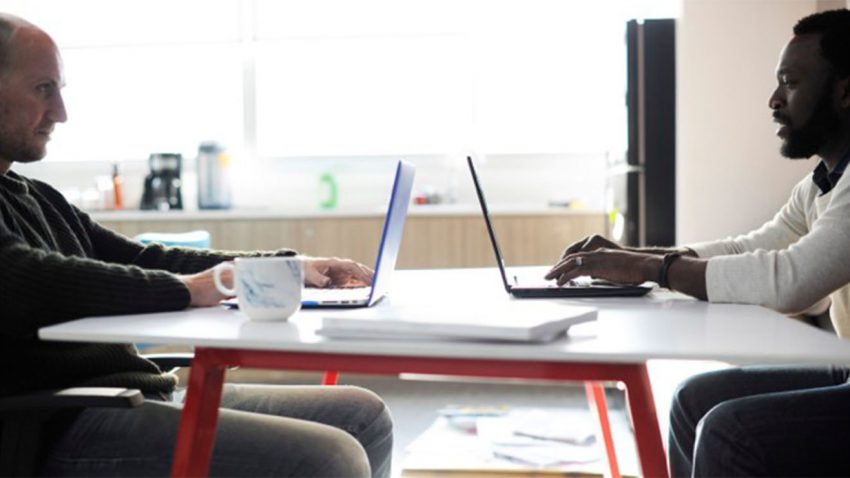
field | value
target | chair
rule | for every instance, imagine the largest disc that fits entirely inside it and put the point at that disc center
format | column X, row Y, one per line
column 22, row 416
column 199, row 239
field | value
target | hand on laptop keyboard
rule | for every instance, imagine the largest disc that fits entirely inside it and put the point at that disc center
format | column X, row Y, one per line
column 336, row 273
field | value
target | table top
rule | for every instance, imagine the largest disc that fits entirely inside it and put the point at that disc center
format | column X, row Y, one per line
column 661, row 325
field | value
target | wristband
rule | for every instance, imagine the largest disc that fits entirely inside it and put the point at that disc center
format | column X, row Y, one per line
column 665, row 268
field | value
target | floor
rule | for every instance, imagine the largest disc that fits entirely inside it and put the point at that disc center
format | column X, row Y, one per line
column 414, row 400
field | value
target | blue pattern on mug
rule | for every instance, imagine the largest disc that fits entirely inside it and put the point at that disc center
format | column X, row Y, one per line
column 257, row 292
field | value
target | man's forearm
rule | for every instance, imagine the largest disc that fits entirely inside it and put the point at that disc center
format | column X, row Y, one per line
column 660, row 251
column 687, row 275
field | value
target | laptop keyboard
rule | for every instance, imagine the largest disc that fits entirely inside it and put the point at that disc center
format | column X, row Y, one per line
column 581, row 281
column 342, row 296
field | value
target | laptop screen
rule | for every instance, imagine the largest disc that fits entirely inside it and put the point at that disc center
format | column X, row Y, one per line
column 480, row 192
column 393, row 230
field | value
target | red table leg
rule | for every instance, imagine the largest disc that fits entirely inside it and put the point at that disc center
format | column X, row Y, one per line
column 596, row 399
column 199, row 419
column 650, row 448
column 197, row 426
column 330, row 378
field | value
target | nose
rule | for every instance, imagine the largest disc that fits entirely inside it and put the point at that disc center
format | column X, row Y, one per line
column 56, row 111
column 776, row 100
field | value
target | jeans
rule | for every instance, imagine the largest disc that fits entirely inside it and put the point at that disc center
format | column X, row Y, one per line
column 263, row 430
column 762, row 421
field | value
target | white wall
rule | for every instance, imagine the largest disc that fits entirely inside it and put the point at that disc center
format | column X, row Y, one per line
column 730, row 176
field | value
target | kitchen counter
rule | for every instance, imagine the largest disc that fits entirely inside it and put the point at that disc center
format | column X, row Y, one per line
column 415, row 210
column 446, row 235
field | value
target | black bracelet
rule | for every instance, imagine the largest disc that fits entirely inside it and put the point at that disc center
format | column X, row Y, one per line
column 665, row 268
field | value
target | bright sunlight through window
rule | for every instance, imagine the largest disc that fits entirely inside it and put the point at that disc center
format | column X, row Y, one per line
column 284, row 78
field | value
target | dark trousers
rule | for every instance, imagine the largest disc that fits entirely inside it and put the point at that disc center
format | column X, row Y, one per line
column 762, row 421
column 263, row 430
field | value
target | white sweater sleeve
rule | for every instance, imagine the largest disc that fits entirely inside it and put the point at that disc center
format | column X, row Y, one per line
column 788, row 279
column 786, row 227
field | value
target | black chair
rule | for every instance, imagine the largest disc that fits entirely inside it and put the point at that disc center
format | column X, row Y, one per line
column 22, row 416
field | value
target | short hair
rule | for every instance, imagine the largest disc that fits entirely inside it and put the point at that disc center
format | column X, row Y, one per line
column 7, row 30
column 834, row 29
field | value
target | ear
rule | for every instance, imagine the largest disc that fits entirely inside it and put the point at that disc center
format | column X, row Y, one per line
column 843, row 87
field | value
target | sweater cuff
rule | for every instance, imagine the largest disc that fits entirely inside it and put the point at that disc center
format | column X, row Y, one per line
column 166, row 293
column 706, row 250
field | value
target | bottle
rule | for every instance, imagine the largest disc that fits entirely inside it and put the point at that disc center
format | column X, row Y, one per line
column 117, row 181
column 214, row 184
column 328, row 193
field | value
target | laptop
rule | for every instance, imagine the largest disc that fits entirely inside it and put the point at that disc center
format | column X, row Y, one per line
column 580, row 287
column 387, row 254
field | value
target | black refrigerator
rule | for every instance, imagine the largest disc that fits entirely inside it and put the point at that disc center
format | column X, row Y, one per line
column 641, row 186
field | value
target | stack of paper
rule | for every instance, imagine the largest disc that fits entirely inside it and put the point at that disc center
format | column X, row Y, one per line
column 501, row 446
column 541, row 438
column 516, row 320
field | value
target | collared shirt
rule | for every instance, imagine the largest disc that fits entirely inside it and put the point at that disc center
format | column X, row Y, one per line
column 825, row 179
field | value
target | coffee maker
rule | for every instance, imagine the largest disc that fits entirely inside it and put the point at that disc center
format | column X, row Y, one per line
column 162, row 184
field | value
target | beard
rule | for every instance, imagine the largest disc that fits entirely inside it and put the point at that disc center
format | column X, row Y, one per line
column 805, row 141
column 24, row 153
column 21, row 149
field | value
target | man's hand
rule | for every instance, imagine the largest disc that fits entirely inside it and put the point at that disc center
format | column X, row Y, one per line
column 615, row 265
column 202, row 288
column 318, row 272
column 334, row 272
column 687, row 274
column 589, row 243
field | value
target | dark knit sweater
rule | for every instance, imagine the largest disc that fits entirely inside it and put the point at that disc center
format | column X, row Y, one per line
column 57, row 265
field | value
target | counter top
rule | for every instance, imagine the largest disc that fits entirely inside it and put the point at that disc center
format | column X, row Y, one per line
column 248, row 214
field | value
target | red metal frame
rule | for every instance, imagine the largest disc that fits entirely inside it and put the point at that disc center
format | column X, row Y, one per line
column 330, row 378
column 596, row 399
column 200, row 414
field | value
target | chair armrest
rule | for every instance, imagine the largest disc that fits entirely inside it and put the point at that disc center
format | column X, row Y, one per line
column 77, row 397
column 22, row 416
column 168, row 361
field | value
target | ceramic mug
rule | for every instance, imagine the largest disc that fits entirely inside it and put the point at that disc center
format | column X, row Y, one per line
column 268, row 288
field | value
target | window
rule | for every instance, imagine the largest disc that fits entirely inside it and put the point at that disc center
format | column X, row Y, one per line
column 284, row 78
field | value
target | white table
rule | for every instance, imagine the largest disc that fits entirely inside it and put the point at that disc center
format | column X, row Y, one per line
column 628, row 332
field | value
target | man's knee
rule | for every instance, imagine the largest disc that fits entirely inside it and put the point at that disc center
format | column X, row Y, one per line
column 344, row 456
column 724, row 446
column 696, row 395
column 718, row 423
column 376, row 414
column 725, row 429
column 686, row 396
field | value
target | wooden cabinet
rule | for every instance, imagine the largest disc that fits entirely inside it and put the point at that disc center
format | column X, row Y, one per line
column 452, row 240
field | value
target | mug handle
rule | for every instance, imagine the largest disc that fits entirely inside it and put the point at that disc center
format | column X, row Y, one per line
column 217, row 270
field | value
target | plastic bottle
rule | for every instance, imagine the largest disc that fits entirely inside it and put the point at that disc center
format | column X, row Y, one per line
column 117, row 181
column 328, row 196
column 214, row 183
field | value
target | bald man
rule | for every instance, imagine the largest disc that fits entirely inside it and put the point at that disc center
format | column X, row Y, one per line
column 57, row 264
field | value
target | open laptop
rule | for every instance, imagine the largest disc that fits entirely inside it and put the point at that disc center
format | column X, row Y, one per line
column 387, row 253
column 581, row 287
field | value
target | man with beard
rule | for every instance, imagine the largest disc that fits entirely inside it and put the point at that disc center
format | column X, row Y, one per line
column 768, row 421
column 57, row 264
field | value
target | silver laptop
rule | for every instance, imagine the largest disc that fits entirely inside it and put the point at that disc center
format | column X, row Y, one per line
column 585, row 287
column 387, row 254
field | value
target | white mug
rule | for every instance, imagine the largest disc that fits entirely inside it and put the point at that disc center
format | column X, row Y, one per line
column 268, row 288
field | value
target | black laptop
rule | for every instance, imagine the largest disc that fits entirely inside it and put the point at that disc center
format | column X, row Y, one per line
column 580, row 287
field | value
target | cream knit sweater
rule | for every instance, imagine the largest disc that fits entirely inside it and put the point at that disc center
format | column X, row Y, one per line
column 798, row 261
